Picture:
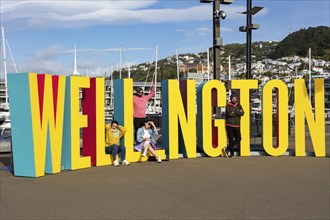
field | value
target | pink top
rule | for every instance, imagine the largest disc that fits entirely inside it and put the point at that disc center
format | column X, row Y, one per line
column 139, row 104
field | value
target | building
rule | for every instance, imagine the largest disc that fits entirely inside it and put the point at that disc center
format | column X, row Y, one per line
column 200, row 67
column 319, row 62
column 2, row 93
column 198, row 77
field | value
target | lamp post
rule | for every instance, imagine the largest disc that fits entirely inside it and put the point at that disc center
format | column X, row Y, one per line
column 217, row 40
column 248, row 29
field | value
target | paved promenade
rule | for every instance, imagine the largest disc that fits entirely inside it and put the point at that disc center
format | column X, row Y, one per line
column 256, row 187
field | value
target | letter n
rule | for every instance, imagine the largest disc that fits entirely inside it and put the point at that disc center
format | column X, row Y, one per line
column 179, row 109
column 315, row 121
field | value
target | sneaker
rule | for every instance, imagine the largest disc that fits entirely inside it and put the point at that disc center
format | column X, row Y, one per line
column 232, row 157
column 159, row 160
column 125, row 163
column 144, row 154
column 224, row 152
column 115, row 163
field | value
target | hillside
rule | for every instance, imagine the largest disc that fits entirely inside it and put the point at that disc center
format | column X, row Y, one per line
column 297, row 43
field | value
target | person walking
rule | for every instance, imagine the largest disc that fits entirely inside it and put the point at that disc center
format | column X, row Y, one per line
column 113, row 133
column 234, row 112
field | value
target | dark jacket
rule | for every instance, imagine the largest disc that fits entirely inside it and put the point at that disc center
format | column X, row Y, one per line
column 233, row 114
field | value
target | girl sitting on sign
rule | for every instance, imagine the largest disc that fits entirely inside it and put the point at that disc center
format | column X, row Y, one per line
column 145, row 141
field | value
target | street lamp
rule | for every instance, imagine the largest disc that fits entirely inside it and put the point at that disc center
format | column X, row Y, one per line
column 248, row 29
column 217, row 40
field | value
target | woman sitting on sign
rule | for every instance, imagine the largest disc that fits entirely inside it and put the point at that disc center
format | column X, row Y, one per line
column 145, row 141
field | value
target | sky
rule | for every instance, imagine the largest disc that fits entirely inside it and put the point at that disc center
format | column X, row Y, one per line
column 42, row 34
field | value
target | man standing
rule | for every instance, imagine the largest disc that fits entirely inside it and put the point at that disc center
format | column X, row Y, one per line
column 139, row 107
column 113, row 134
column 234, row 112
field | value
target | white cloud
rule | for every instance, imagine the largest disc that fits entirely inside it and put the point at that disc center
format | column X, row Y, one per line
column 50, row 53
column 95, row 69
column 75, row 14
column 79, row 50
column 71, row 14
column 200, row 31
column 46, row 66
column 54, row 51
column 125, row 49
column 195, row 31
column 226, row 29
column 27, row 14
column 49, row 61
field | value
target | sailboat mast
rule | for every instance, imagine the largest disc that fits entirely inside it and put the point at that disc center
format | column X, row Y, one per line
column 120, row 62
column 75, row 72
column 4, row 62
column 156, row 66
column 75, row 58
column 229, row 75
column 11, row 55
column 111, row 86
column 310, row 72
column 177, row 62
column 208, row 64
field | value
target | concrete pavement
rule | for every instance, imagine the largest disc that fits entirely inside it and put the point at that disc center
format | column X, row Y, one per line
column 256, row 187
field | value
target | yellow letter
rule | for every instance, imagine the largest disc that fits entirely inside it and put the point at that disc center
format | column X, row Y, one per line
column 77, row 121
column 245, row 86
column 174, row 113
column 123, row 113
column 74, row 121
column 303, row 108
column 267, row 117
column 101, row 157
column 41, row 121
column 204, row 116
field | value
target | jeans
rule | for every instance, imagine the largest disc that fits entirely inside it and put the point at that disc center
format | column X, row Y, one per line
column 138, row 123
column 114, row 149
column 234, row 137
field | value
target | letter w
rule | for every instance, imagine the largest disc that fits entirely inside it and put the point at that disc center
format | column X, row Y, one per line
column 47, row 107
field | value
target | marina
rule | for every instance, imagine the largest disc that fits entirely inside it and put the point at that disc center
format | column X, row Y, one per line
column 154, row 106
column 200, row 70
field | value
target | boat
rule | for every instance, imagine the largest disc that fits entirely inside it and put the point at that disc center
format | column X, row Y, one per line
column 4, row 112
column 3, row 116
column 5, row 127
column 4, row 107
column 255, row 106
